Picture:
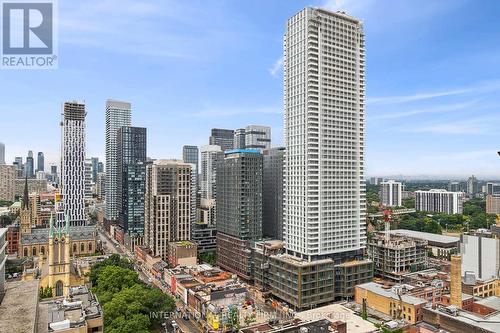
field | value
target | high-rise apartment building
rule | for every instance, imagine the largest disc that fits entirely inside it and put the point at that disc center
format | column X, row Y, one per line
column 439, row 201
column 118, row 114
column 167, row 205
column 29, row 167
column 257, row 137
column 40, row 162
column 324, row 95
column 2, row 154
column 73, row 163
column 391, row 193
column 131, row 171
column 239, row 209
column 7, row 183
column 272, row 192
column 472, row 185
column 223, row 138
column 88, row 178
column 239, row 139
column 210, row 156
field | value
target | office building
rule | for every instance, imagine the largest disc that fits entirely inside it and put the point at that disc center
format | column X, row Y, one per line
column 375, row 180
column 2, row 154
column 7, row 182
column 272, row 192
column 391, row 193
column 73, row 162
column 439, row 201
column 118, row 114
column 324, row 135
column 210, row 156
column 190, row 155
column 204, row 231
column 100, row 167
column 131, row 172
column 40, row 162
column 18, row 162
column 239, row 138
column 95, row 168
column 472, row 185
column 167, row 205
column 257, row 137
column 239, row 209
column 223, row 138
column 29, row 167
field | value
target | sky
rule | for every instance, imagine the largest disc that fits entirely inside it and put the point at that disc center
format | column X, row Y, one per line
column 433, row 78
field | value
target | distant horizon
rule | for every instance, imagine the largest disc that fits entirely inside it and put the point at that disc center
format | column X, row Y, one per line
column 433, row 78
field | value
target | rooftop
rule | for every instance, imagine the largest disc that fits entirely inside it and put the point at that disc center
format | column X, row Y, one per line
column 491, row 302
column 18, row 309
column 380, row 290
column 433, row 238
column 335, row 312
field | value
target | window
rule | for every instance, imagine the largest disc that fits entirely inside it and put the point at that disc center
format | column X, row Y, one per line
column 59, row 288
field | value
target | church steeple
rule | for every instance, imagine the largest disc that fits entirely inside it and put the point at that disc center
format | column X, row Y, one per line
column 26, row 196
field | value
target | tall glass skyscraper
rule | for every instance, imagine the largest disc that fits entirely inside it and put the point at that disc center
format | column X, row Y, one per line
column 324, row 96
column 29, row 167
column 40, row 163
column 223, row 138
column 118, row 114
column 131, row 171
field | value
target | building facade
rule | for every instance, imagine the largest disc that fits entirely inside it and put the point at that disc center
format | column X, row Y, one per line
column 325, row 208
column 7, row 182
column 439, row 201
column 391, row 193
column 222, row 137
column 167, row 205
column 492, row 204
column 2, row 153
column 272, row 192
column 210, row 157
column 257, row 137
column 239, row 138
column 118, row 114
column 29, row 167
column 239, row 209
column 40, row 163
column 131, row 176
column 73, row 162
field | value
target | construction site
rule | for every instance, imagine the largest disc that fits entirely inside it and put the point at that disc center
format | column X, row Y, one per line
column 394, row 255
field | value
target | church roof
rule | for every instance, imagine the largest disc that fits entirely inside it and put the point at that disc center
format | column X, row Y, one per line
column 41, row 235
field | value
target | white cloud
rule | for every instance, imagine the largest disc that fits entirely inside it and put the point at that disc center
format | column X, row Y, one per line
column 474, row 126
column 479, row 88
column 277, row 67
column 429, row 110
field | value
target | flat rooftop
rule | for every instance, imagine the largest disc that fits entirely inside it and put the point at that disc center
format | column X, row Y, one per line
column 336, row 312
column 431, row 238
column 379, row 290
column 18, row 309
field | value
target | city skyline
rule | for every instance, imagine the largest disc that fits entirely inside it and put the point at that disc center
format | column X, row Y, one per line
column 430, row 101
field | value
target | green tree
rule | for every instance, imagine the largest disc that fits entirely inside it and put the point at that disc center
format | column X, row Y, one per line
column 113, row 260
column 113, row 279
column 136, row 323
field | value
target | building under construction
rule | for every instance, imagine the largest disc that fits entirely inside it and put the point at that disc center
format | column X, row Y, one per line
column 394, row 255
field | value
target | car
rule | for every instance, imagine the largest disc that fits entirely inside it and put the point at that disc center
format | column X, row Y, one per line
column 185, row 316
